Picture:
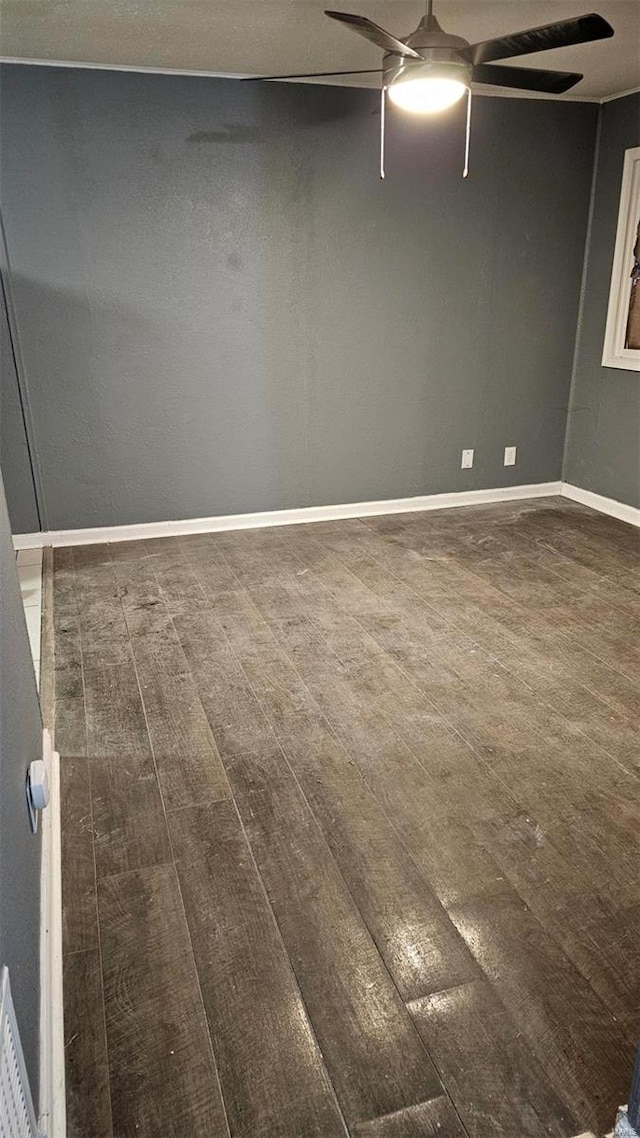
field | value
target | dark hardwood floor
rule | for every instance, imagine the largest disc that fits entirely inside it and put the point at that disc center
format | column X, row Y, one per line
column 351, row 837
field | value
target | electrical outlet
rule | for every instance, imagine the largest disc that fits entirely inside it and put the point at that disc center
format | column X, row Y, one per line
column 509, row 456
column 467, row 460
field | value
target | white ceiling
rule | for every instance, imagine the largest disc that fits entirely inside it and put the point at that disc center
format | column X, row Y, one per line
column 258, row 37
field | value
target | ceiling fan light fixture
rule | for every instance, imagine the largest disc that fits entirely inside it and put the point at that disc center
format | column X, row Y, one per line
column 426, row 96
column 428, row 89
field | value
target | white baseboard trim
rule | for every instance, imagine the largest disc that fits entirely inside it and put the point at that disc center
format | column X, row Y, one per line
column 52, row 1113
column 307, row 514
column 623, row 1128
column 604, row 505
column 303, row 515
column 590, row 1134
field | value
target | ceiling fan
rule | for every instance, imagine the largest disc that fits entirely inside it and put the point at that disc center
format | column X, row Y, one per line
column 430, row 70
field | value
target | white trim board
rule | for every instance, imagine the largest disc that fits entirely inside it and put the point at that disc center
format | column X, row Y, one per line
column 52, row 1106
column 619, row 510
column 299, row 516
column 620, row 95
column 307, row 514
column 148, row 69
column 614, row 352
column 494, row 93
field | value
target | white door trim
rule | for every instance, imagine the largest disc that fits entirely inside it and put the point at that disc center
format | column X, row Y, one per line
column 52, row 1107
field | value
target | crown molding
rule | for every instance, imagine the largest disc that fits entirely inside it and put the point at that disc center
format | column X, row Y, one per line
column 142, row 70
column 620, row 95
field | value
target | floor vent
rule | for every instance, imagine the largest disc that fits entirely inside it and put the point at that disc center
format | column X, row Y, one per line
column 17, row 1118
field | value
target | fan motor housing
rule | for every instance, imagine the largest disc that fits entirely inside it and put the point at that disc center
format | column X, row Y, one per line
column 429, row 34
column 442, row 62
column 441, row 53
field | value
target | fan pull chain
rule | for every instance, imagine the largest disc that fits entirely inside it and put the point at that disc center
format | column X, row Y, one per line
column 465, row 172
column 383, row 100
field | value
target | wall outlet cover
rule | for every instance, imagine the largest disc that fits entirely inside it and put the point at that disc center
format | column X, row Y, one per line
column 510, row 456
column 467, row 460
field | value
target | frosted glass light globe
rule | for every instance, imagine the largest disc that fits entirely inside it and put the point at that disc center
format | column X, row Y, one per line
column 426, row 94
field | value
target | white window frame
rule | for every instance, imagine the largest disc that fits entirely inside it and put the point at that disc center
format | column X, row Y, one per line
column 614, row 353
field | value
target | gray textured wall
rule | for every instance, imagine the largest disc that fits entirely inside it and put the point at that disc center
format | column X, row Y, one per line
column 20, row 851
column 14, row 454
column 603, row 432
column 223, row 309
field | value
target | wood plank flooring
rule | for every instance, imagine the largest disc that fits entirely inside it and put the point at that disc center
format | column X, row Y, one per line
column 350, row 827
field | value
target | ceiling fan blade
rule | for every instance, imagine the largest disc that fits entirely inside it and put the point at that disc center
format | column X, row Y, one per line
column 308, row 75
column 564, row 33
column 373, row 32
column 525, row 78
